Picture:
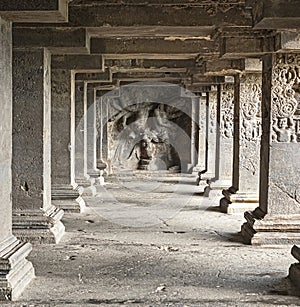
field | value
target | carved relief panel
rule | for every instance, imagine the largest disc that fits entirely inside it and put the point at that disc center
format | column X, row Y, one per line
column 212, row 111
column 250, row 108
column 227, row 109
column 285, row 98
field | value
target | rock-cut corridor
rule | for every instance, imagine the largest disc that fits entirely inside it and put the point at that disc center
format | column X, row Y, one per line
column 192, row 257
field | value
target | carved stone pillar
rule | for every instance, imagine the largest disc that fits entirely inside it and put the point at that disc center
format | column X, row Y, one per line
column 35, row 219
column 80, row 118
column 65, row 190
column 91, row 170
column 243, row 194
column 101, row 136
column 196, row 157
column 277, row 219
column 16, row 271
column 211, row 126
column 224, row 142
column 294, row 271
column 202, row 148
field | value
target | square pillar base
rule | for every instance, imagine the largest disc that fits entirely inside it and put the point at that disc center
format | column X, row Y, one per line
column 237, row 203
column 16, row 272
column 294, row 271
column 88, row 189
column 39, row 226
column 68, row 198
column 214, row 188
column 272, row 230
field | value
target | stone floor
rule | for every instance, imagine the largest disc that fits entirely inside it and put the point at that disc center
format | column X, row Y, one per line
column 152, row 240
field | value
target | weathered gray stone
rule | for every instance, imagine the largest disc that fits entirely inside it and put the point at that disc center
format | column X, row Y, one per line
column 278, row 14
column 211, row 134
column 64, row 186
column 224, row 142
column 201, row 166
column 56, row 40
column 31, row 165
column 294, row 271
column 32, row 11
column 91, row 154
column 95, row 76
column 243, row 194
column 224, row 67
column 6, row 129
column 241, row 45
column 287, row 41
column 153, row 45
column 276, row 220
column 150, row 63
column 15, row 271
column 195, row 133
column 77, row 62
column 171, row 14
column 80, row 119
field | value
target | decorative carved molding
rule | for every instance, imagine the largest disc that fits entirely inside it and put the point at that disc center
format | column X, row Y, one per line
column 212, row 111
column 285, row 83
column 250, row 99
column 227, row 110
column 220, row 6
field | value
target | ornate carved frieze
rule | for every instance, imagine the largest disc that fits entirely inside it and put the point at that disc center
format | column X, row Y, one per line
column 214, row 7
column 285, row 98
column 212, row 111
column 227, row 111
column 250, row 122
column 250, row 97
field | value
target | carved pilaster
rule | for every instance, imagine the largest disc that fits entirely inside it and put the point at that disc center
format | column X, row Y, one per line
column 224, row 141
column 243, row 194
column 277, row 219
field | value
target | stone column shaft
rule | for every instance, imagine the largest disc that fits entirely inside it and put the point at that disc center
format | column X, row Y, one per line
column 35, row 218
column 14, row 267
column 243, row 194
column 211, row 135
column 276, row 220
column 224, row 141
column 195, row 135
column 80, row 179
column 91, row 136
column 65, row 191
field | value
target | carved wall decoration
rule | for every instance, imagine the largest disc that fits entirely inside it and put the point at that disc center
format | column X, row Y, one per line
column 212, row 111
column 214, row 7
column 202, row 113
column 227, row 109
column 285, row 81
column 250, row 96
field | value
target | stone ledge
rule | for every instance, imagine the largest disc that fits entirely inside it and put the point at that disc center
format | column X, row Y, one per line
column 16, row 272
column 38, row 226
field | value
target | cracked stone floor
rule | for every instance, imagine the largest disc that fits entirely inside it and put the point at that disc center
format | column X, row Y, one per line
column 153, row 240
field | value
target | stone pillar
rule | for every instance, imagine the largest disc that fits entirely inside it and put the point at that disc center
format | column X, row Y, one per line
column 80, row 111
column 276, row 220
column 91, row 137
column 195, row 134
column 16, row 271
column 65, row 190
column 294, row 271
column 224, row 142
column 202, row 143
column 34, row 217
column 211, row 134
column 100, row 118
column 243, row 194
